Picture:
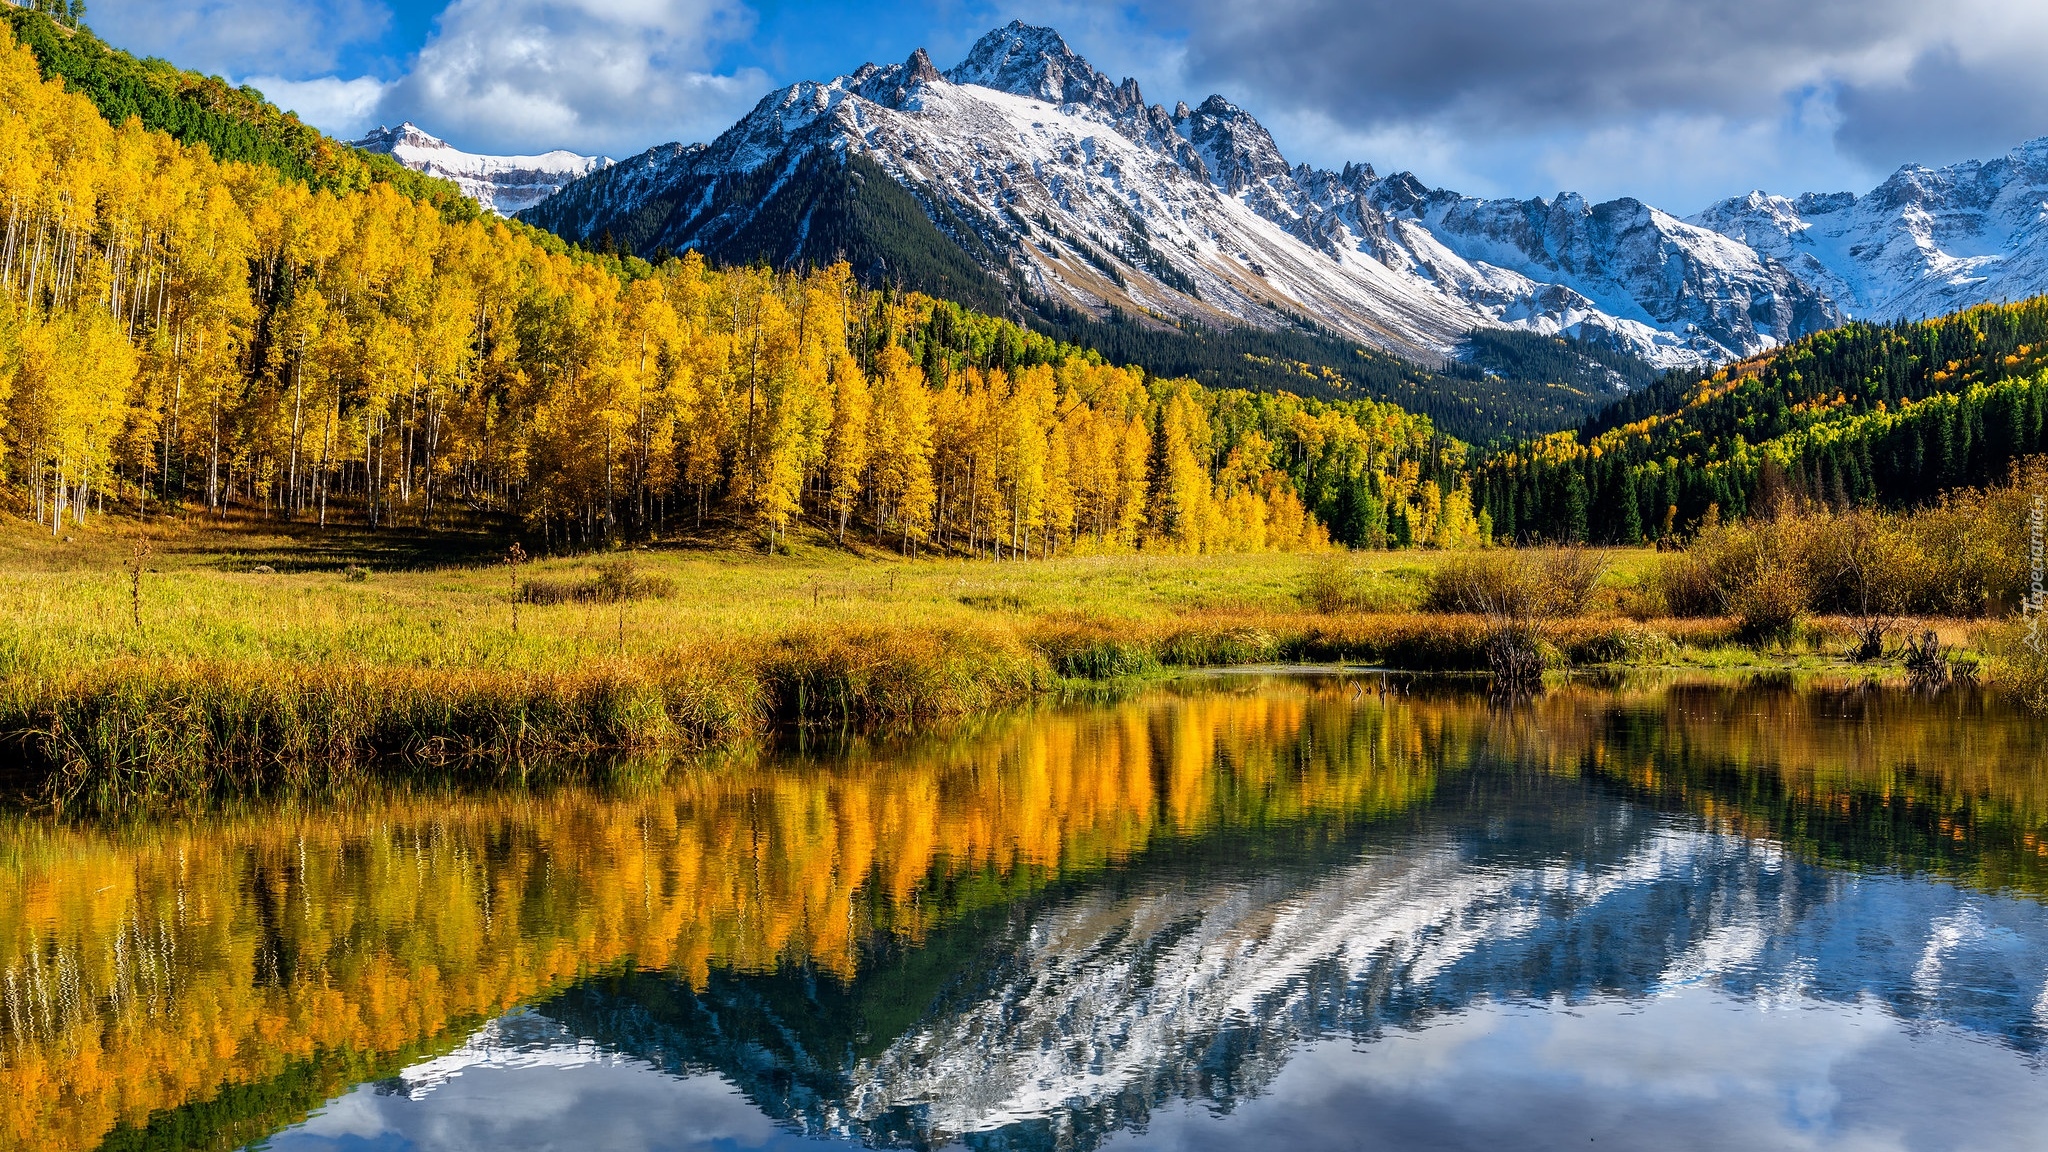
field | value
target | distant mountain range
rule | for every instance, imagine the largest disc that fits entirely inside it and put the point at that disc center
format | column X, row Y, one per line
column 504, row 184
column 1024, row 177
column 1926, row 242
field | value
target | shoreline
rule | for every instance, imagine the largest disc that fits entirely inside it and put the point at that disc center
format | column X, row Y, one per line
column 259, row 663
column 148, row 733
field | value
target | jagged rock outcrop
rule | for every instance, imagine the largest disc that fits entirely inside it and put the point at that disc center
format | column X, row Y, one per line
column 504, row 184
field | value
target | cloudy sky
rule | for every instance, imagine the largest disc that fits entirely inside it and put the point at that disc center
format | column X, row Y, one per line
column 1677, row 102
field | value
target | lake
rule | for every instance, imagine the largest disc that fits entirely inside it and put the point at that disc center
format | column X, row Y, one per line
column 1244, row 910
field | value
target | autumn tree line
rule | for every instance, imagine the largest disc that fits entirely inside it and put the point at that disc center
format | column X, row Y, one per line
column 176, row 331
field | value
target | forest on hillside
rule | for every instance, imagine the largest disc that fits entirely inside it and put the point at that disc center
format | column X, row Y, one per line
column 1890, row 415
column 178, row 329
column 235, row 123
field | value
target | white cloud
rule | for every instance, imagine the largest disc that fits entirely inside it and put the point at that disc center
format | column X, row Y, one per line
column 238, row 37
column 1674, row 101
column 610, row 76
column 345, row 109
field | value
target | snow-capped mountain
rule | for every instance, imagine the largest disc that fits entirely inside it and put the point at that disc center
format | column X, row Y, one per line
column 1063, row 185
column 1926, row 242
column 504, row 184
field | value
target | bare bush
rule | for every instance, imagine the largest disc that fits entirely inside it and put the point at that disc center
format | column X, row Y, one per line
column 1927, row 662
column 1869, row 643
column 1539, row 583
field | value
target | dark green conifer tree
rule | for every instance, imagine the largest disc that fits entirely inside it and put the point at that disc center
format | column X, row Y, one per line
column 1577, row 506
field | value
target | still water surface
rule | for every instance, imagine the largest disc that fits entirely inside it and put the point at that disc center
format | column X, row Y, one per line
column 1233, row 912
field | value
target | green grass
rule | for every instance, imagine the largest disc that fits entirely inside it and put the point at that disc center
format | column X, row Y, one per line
column 252, row 662
column 443, row 604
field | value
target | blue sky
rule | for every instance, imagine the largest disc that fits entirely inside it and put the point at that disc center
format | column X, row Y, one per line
column 1677, row 102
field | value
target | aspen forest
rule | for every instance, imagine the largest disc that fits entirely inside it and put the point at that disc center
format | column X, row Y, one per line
column 178, row 333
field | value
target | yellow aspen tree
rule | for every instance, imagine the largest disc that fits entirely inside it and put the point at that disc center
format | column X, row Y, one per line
column 1028, row 412
column 903, row 447
column 852, row 411
column 1059, row 489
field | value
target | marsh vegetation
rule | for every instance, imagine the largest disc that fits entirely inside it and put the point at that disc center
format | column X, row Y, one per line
column 144, row 665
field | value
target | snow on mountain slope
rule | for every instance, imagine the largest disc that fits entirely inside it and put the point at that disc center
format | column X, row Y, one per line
column 1926, row 242
column 1068, row 186
column 1087, row 1013
column 1708, row 294
column 1121, row 999
column 504, row 184
column 616, row 192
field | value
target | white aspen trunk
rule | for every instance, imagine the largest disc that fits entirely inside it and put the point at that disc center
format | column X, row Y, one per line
column 327, row 460
column 291, row 501
column 213, row 501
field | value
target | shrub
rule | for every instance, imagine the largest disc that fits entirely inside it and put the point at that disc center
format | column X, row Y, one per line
column 1331, row 585
column 1549, row 583
column 1973, row 552
column 1683, row 585
column 1755, row 571
column 1514, row 657
column 1966, row 555
column 2017, row 669
column 615, row 582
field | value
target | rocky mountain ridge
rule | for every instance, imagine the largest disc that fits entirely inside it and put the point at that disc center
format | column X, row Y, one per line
column 1926, row 242
column 504, row 184
column 1068, row 190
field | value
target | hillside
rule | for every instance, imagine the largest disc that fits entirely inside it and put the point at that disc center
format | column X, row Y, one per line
column 1071, row 193
column 849, row 207
column 235, row 124
column 1890, row 414
column 212, row 336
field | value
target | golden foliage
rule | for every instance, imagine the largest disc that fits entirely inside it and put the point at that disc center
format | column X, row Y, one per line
column 171, row 325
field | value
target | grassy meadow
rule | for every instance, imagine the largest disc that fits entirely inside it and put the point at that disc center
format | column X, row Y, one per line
column 155, row 662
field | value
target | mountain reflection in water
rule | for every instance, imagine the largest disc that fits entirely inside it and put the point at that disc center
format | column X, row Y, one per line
column 1227, row 913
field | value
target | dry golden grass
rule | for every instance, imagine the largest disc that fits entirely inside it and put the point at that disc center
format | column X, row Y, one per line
column 252, row 660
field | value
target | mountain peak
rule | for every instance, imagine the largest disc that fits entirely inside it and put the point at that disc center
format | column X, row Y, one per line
column 408, row 133
column 504, row 184
column 920, row 67
column 1027, row 60
column 1236, row 149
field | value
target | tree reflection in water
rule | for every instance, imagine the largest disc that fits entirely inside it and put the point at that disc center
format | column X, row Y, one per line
column 1049, row 929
